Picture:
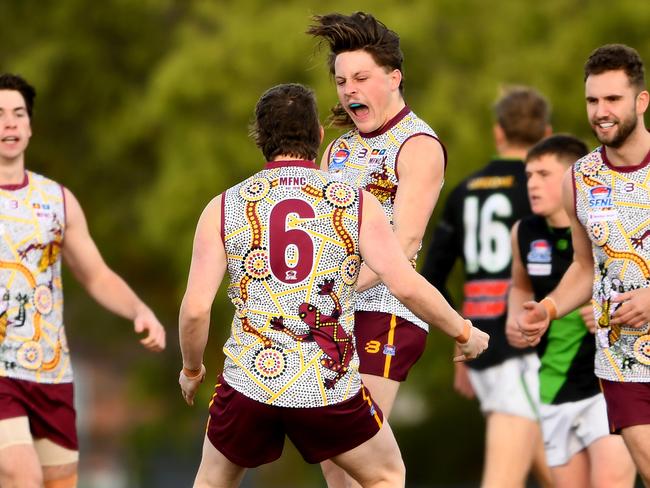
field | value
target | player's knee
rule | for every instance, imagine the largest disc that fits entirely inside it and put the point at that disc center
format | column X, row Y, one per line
column 613, row 475
column 16, row 476
column 392, row 473
column 395, row 473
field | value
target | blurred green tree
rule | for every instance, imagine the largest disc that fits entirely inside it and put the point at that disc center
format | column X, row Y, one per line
column 143, row 111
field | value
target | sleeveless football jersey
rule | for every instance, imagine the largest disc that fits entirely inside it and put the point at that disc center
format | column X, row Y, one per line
column 291, row 235
column 33, row 345
column 369, row 161
column 613, row 205
column 567, row 349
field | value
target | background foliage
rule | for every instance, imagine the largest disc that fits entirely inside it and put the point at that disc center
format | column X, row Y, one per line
column 143, row 109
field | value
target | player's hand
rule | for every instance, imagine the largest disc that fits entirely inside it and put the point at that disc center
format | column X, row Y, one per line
column 533, row 321
column 462, row 385
column 475, row 345
column 634, row 308
column 587, row 314
column 514, row 335
column 189, row 386
column 146, row 321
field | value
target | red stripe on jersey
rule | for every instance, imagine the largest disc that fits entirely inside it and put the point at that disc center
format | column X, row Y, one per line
column 486, row 288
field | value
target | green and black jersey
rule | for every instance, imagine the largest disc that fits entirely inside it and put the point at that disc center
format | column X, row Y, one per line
column 475, row 226
column 567, row 349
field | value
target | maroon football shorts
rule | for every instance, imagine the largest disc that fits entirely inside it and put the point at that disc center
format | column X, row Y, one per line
column 250, row 433
column 387, row 345
column 628, row 404
column 49, row 408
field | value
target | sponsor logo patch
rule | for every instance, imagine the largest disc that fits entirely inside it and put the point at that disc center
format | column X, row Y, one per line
column 540, row 251
column 338, row 159
column 600, row 197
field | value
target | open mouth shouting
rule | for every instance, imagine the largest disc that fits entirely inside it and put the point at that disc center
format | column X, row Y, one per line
column 359, row 110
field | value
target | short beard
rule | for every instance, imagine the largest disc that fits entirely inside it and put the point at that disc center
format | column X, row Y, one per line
column 625, row 128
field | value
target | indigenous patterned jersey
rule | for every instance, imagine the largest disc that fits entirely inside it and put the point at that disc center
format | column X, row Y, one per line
column 613, row 205
column 33, row 345
column 475, row 226
column 567, row 349
column 291, row 235
column 369, row 161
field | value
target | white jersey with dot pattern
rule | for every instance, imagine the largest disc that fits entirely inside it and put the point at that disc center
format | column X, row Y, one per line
column 33, row 344
column 291, row 235
column 613, row 205
column 369, row 161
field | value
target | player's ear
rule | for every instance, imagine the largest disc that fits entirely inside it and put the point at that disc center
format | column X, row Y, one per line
column 499, row 135
column 642, row 100
column 395, row 79
column 322, row 133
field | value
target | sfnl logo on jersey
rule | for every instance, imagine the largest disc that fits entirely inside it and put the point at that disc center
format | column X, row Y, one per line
column 601, row 204
column 339, row 157
column 539, row 258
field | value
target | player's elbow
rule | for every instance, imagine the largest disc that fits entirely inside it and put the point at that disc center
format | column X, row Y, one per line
column 411, row 243
column 194, row 311
column 401, row 289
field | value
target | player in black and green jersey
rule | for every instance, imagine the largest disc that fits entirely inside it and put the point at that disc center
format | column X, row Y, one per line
column 573, row 414
column 475, row 227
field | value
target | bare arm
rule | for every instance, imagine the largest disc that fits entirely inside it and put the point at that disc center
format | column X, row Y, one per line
column 382, row 253
column 421, row 166
column 521, row 291
column 575, row 287
column 101, row 282
column 206, row 273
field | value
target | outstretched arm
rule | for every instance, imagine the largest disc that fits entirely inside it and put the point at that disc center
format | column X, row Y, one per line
column 206, row 272
column 382, row 253
column 101, row 282
column 574, row 288
column 421, row 167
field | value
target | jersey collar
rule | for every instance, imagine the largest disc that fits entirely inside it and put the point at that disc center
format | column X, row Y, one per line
column 16, row 186
column 388, row 125
column 293, row 163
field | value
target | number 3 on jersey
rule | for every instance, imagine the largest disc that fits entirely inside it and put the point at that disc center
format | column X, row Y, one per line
column 487, row 240
column 291, row 251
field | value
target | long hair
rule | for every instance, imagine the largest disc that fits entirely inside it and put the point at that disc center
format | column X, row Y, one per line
column 359, row 31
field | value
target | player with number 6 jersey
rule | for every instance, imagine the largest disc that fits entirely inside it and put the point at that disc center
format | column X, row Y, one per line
column 291, row 239
column 293, row 325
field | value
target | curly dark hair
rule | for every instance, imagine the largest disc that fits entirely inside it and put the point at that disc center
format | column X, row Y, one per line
column 611, row 57
column 286, row 122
